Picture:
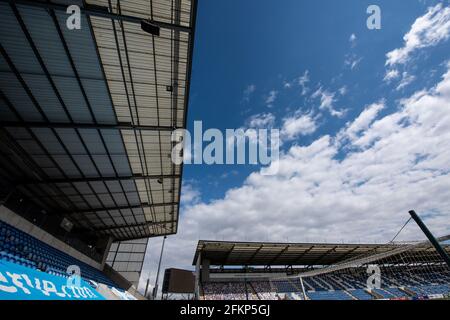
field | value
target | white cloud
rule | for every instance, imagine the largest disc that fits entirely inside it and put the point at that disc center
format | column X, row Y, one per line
column 391, row 75
column 298, row 125
column 343, row 90
column 229, row 173
column 189, row 194
column 327, row 100
column 361, row 123
column 352, row 39
column 428, row 30
column 406, row 80
column 271, row 98
column 352, row 60
column 400, row 162
column 262, row 120
column 248, row 92
column 303, row 81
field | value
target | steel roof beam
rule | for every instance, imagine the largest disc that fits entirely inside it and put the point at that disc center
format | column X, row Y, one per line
column 97, row 179
column 279, row 255
column 146, row 237
column 324, row 255
column 68, row 125
column 101, row 12
column 146, row 224
column 155, row 205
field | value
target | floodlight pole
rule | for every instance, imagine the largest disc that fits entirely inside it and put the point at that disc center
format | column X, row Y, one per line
column 155, row 289
column 303, row 288
column 430, row 237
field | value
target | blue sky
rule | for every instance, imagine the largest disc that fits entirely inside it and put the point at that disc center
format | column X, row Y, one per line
column 240, row 44
column 364, row 118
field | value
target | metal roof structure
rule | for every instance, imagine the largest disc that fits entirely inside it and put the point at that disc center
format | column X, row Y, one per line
column 86, row 115
column 223, row 253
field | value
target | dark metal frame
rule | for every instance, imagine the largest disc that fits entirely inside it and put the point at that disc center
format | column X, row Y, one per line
column 99, row 12
column 71, row 125
column 430, row 237
column 27, row 182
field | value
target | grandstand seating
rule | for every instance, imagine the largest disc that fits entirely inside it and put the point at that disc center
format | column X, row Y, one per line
column 264, row 290
column 385, row 294
column 426, row 290
column 225, row 291
column 361, row 294
column 396, row 292
column 329, row 295
column 344, row 286
column 23, row 249
column 287, row 285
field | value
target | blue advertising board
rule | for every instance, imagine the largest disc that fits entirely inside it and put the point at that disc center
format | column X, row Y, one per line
column 22, row 283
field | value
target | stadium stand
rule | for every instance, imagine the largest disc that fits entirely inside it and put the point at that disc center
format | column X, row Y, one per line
column 263, row 290
column 407, row 271
column 224, row 291
column 83, row 124
column 23, row 249
column 271, row 290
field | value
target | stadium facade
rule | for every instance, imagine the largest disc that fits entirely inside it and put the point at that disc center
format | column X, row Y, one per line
column 319, row 271
column 86, row 116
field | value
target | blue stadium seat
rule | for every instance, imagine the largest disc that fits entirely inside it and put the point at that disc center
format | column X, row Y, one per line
column 23, row 249
column 328, row 295
column 361, row 294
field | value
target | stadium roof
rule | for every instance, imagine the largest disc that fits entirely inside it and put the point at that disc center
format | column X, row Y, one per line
column 86, row 115
column 222, row 253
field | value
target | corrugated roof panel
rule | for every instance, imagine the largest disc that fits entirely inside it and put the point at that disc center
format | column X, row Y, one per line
column 17, row 96
column 71, row 141
column 14, row 42
column 93, row 141
column 121, row 164
column 5, row 113
column 45, row 37
column 81, row 47
column 99, row 100
column 86, row 165
column 147, row 78
column 46, row 98
column 72, row 96
column 67, row 164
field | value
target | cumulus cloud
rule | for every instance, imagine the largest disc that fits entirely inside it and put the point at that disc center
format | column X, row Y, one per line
column 298, row 125
column 361, row 123
column 400, row 162
column 189, row 194
column 428, row 30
